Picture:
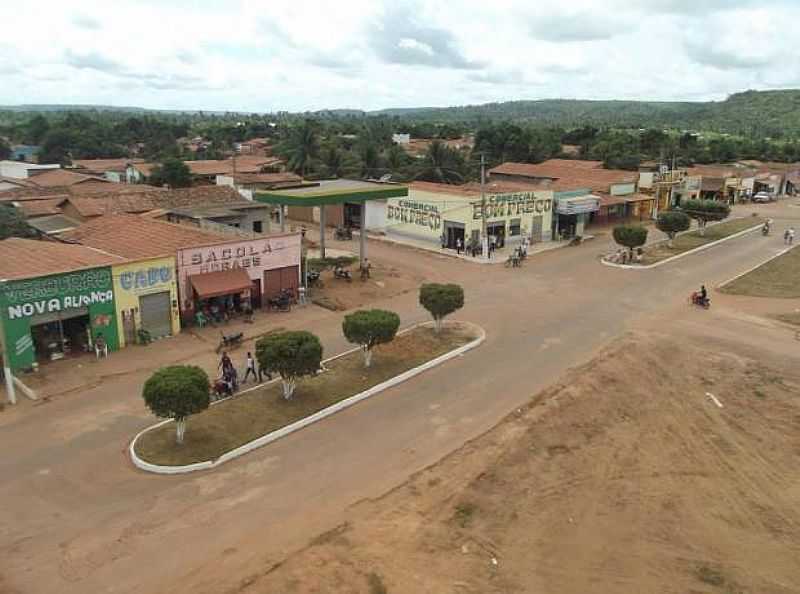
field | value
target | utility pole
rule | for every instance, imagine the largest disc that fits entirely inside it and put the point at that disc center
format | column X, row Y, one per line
column 484, row 238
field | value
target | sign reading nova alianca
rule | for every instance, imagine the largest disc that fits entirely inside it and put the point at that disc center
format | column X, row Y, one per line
column 26, row 303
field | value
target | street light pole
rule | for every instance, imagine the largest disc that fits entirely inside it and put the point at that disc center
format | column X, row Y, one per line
column 483, row 206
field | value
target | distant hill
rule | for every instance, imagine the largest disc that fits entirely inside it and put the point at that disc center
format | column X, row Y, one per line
column 757, row 113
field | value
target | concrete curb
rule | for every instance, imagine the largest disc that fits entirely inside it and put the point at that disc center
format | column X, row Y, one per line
column 677, row 256
column 299, row 424
column 752, row 268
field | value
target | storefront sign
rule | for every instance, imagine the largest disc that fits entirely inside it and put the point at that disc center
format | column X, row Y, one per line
column 144, row 278
column 57, row 293
column 254, row 256
column 42, row 306
column 415, row 213
column 508, row 205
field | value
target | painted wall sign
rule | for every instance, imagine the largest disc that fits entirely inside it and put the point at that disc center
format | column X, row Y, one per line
column 415, row 213
column 509, row 205
column 60, row 303
column 254, row 256
column 145, row 278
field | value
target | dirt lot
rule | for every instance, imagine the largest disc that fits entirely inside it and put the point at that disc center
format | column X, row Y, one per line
column 624, row 477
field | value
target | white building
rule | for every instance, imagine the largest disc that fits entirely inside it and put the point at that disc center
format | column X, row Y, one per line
column 22, row 170
column 401, row 138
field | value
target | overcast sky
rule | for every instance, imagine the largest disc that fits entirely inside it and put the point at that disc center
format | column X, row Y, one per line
column 265, row 55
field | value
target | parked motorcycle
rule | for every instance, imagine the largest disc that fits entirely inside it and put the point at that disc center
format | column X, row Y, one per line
column 343, row 234
column 343, row 273
column 229, row 341
column 282, row 302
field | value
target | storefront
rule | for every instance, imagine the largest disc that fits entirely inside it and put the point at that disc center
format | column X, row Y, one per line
column 56, row 316
column 146, row 297
column 573, row 211
column 442, row 214
column 236, row 275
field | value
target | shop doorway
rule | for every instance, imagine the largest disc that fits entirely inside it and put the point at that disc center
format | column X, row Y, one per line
column 156, row 313
column 499, row 231
column 277, row 279
column 255, row 294
column 352, row 215
column 567, row 225
column 453, row 232
column 60, row 335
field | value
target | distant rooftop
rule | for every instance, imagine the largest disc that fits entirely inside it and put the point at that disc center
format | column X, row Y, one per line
column 29, row 258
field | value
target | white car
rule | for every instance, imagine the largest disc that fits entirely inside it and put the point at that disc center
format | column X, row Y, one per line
column 763, row 197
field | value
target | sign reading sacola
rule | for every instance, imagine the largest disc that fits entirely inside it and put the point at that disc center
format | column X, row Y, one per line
column 415, row 213
column 507, row 205
column 57, row 293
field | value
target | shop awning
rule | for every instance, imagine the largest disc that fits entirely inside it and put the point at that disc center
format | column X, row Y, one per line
column 223, row 282
column 577, row 204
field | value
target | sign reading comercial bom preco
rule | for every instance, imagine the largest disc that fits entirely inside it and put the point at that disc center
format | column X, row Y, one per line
column 514, row 204
column 253, row 255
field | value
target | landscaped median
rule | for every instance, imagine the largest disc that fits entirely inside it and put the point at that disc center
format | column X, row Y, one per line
column 254, row 418
column 659, row 252
column 778, row 277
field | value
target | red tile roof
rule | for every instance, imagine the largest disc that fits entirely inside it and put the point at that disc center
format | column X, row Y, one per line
column 570, row 174
column 103, row 165
column 137, row 237
column 28, row 258
column 38, row 208
column 472, row 189
column 266, row 178
column 62, row 177
column 720, row 171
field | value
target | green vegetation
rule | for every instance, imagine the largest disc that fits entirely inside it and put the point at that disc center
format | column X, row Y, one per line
column 12, row 223
column 779, row 277
column 673, row 222
column 441, row 300
column 689, row 241
column 292, row 355
column 369, row 328
column 173, row 173
column 176, row 392
column 242, row 419
column 704, row 211
column 630, row 236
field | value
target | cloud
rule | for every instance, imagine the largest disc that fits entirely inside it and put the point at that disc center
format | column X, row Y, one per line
column 566, row 29
column 92, row 61
column 708, row 53
column 85, row 21
column 398, row 38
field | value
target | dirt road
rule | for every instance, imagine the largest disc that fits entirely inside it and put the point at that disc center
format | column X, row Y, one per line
column 77, row 518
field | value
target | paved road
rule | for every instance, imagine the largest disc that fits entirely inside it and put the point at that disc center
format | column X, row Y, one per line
column 76, row 517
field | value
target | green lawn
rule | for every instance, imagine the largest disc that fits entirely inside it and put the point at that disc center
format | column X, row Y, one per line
column 244, row 418
column 689, row 241
column 777, row 278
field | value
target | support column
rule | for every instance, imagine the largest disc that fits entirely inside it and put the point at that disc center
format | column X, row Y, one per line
column 282, row 218
column 322, row 231
column 362, row 236
column 12, row 396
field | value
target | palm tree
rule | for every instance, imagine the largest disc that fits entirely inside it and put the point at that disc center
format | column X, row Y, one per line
column 441, row 164
column 302, row 147
column 337, row 162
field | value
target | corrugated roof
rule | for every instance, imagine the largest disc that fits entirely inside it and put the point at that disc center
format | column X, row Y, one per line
column 135, row 237
column 53, row 224
column 29, row 258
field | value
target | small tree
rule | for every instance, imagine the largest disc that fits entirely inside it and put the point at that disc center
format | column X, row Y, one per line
column 291, row 355
column 672, row 222
column 369, row 328
column 176, row 392
column 12, row 223
column 441, row 300
column 630, row 236
column 172, row 172
column 704, row 211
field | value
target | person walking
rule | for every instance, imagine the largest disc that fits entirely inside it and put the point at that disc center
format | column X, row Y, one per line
column 365, row 268
column 458, row 246
column 791, row 235
column 250, row 368
column 225, row 362
column 786, row 237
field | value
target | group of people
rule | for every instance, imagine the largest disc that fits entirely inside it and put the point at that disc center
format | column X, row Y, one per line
column 473, row 246
column 625, row 256
column 228, row 382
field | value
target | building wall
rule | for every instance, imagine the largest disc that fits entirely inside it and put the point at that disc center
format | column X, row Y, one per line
column 132, row 280
column 425, row 215
column 334, row 214
column 20, row 170
column 251, row 215
column 622, row 189
column 254, row 256
column 21, row 300
column 376, row 214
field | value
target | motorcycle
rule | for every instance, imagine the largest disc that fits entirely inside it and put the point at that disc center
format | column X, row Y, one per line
column 229, row 341
column 282, row 302
column 697, row 299
column 343, row 234
column 313, row 278
column 343, row 273
column 765, row 230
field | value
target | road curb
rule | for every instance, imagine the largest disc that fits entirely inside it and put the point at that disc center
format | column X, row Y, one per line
column 301, row 423
column 677, row 256
column 752, row 268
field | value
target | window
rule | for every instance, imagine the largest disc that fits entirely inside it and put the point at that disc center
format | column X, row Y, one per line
column 514, row 227
column 257, row 226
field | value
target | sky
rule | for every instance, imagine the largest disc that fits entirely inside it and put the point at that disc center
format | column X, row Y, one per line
column 298, row 55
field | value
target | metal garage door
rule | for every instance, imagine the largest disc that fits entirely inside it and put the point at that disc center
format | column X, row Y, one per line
column 156, row 314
